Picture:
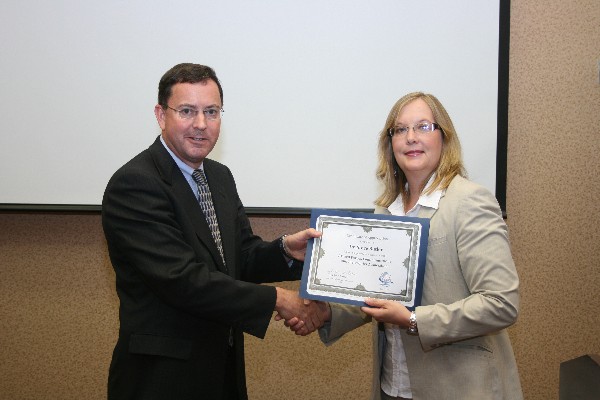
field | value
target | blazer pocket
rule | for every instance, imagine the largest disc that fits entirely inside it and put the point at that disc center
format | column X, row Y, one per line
column 160, row 346
column 474, row 347
column 434, row 241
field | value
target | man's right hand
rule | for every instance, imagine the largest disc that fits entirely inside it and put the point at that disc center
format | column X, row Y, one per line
column 300, row 315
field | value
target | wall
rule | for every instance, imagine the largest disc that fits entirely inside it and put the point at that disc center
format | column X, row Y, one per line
column 58, row 308
column 553, row 185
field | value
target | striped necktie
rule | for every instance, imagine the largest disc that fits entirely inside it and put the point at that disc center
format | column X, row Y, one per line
column 206, row 204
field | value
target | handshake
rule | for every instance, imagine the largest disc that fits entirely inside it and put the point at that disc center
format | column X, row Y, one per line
column 300, row 315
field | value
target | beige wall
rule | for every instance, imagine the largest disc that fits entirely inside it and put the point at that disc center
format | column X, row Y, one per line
column 58, row 307
column 554, row 185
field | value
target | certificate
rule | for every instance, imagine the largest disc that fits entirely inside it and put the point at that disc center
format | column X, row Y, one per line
column 365, row 255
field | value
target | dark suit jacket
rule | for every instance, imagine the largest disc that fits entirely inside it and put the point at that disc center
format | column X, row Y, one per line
column 178, row 301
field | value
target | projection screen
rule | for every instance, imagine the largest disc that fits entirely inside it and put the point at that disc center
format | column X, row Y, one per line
column 307, row 87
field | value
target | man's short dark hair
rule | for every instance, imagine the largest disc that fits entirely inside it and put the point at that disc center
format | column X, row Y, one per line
column 185, row 73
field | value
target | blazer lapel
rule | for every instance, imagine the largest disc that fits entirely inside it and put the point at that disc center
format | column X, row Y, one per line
column 426, row 212
column 190, row 203
column 221, row 201
column 172, row 175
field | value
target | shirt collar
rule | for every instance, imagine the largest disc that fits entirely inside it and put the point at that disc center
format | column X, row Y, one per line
column 431, row 200
column 185, row 169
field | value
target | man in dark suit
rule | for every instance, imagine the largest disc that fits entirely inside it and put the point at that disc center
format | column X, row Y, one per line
column 188, row 288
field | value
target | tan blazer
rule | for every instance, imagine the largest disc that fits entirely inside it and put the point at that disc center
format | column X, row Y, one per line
column 470, row 294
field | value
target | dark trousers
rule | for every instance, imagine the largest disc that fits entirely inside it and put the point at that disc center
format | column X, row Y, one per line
column 385, row 396
column 230, row 387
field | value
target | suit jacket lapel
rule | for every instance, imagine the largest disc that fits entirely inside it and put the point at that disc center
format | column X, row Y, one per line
column 221, row 200
column 172, row 175
column 426, row 212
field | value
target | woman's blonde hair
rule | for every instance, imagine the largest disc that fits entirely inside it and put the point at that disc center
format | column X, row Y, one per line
column 388, row 171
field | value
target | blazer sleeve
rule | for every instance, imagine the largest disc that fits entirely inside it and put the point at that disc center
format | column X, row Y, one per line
column 344, row 318
column 160, row 262
column 477, row 269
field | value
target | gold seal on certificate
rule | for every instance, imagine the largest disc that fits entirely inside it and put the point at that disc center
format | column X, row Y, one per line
column 363, row 255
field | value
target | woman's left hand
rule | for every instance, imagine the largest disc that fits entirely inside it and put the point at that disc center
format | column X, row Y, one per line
column 387, row 311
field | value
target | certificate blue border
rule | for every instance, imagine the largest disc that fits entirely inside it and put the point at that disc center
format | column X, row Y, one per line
column 423, row 240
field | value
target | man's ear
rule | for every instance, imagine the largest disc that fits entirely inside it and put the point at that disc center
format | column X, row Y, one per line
column 159, row 112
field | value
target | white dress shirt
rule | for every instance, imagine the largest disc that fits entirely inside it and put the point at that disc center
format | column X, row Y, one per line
column 395, row 381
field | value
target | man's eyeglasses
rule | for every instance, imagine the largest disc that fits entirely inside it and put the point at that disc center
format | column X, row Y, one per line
column 211, row 114
column 422, row 128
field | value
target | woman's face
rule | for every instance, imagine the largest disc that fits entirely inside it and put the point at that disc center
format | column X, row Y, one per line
column 417, row 154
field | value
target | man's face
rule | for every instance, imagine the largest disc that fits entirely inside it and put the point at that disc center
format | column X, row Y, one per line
column 190, row 139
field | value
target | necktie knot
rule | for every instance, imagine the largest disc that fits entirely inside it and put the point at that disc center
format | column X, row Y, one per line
column 199, row 177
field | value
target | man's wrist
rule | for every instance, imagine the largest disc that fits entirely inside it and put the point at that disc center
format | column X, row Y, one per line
column 283, row 247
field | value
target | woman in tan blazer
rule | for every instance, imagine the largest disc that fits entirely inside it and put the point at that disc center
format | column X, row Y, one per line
column 454, row 345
